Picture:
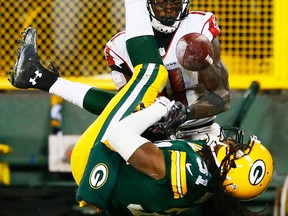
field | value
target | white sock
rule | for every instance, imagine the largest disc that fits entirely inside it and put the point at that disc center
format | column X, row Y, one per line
column 70, row 91
column 138, row 22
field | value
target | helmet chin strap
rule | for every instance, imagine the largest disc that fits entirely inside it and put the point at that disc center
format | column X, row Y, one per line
column 163, row 28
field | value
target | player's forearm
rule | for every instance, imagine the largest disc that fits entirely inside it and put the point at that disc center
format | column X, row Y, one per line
column 218, row 96
column 209, row 105
column 125, row 136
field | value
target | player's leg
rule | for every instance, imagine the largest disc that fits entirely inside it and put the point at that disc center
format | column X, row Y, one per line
column 28, row 72
column 90, row 98
column 147, row 81
column 149, row 78
column 142, row 49
column 140, row 41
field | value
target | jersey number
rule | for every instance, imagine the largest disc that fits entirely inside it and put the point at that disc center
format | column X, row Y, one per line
column 204, row 170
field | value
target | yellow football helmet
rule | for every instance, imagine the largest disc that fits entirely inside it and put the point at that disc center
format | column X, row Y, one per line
column 250, row 169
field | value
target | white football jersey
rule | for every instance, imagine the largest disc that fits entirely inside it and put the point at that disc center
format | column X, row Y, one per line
column 182, row 84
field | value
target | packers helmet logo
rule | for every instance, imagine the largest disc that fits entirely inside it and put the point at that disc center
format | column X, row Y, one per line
column 98, row 176
column 257, row 172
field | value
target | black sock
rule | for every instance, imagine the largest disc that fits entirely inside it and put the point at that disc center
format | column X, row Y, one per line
column 44, row 78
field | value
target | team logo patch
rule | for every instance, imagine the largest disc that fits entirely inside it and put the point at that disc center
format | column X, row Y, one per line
column 98, row 176
column 257, row 172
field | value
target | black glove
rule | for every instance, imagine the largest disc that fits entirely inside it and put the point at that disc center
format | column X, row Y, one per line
column 176, row 116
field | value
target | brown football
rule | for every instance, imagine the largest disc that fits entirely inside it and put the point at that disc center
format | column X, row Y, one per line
column 194, row 52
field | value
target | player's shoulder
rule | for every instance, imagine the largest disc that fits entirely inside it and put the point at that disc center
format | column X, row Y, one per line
column 118, row 36
column 116, row 40
column 190, row 148
column 181, row 145
column 116, row 49
column 184, row 159
column 204, row 22
column 200, row 14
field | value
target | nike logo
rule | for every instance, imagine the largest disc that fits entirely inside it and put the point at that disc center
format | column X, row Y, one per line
column 188, row 167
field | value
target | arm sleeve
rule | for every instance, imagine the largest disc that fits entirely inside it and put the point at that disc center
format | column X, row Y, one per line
column 125, row 136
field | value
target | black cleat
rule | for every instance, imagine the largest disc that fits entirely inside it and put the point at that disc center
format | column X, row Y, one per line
column 25, row 72
column 28, row 71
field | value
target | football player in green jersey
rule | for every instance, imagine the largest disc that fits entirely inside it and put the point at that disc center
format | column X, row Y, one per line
column 179, row 174
column 148, row 80
column 162, row 179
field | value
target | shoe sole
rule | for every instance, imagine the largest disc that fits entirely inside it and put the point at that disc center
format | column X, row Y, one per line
column 25, row 66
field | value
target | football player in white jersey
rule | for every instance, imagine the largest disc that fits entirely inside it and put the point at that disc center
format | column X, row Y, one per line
column 205, row 93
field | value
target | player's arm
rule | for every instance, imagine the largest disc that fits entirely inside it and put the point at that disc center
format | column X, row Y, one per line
column 139, row 152
column 218, row 96
column 149, row 159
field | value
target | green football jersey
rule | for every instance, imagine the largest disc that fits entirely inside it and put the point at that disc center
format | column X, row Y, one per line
column 185, row 184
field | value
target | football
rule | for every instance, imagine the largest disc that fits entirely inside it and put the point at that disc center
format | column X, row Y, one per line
column 194, row 52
